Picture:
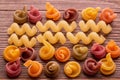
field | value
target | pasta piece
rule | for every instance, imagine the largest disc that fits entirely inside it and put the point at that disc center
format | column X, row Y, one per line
column 113, row 49
column 52, row 12
column 34, row 68
column 56, row 27
column 90, row 13
column 80, row 52
column 11, row 53
column 72, row 69
column 90, row 24
column 85, row 39
column 52, row 69
column 62, row 54
column 24, row 40
column 91, row 66
column 20, row 30
column 20, row 16
column 108, row 66
column 28, row 53
column 47, row 51
column 59, row 36
column 98, row 51
column 107, row 15
column 34, row 15
column 13, row 68
column 70, row 15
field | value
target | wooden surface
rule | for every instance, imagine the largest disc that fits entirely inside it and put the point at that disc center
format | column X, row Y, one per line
column 7, row 7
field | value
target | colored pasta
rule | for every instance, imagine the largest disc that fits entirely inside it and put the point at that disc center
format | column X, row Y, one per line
column 113, row 49
column 72, row 69
column 108, row 66
column 11, row 53
column 70, row 15
column 52, row 12
column 20, row 16
column 24, row 40
column 59, row 36
column 20, row 30
column 34, row 15
column 62, row 54
column 80, row 52
column 90, row 24
column 90, row 13
column 52, row 69
column 107, row 15
column 47, row 51
column 56, row 27
column 85, row 39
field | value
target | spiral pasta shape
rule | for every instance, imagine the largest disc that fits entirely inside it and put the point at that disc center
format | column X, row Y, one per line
column 52, row 12
column 90, row 24
column 11, row 53
column 34, row 68
column 107, row 15
column 20, row 16
column 52, row 69
column 80, row 52
column 62, row 54
column 56, row 27
column 108, row 66
column 72, row 69
column 24, row 40
column 20, row 30
column 59, row 36
column 85, row 39
column 47, row 51
column 90, row 13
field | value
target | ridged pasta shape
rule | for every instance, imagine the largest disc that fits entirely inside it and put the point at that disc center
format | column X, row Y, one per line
column 84, row 38
column 90, row 24
column 59, row 36
column 56, row 27
column 20, row 30
column 24, row 40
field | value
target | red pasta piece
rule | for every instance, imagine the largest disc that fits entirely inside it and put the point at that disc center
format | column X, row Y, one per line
column 91, row 66
column 28, row 54
column 13, row 69
column 98, row 51
column 34, row 15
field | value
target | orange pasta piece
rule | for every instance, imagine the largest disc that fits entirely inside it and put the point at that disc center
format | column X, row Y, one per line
column 11, row 53
column 52, row 12
column 113, row 48
column 62, row 54
column 34, row 68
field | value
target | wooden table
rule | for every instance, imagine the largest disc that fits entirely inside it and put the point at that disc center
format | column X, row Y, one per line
column 7, row 7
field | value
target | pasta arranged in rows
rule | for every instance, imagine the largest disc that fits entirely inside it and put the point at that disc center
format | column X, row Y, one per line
column 56, row 27
column 24, row 40
column 20, row 30
column 90, row 24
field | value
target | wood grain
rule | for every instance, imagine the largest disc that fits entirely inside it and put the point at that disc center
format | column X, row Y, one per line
column 7, row 7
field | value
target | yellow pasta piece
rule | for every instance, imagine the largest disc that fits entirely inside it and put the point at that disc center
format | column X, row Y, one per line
column 90, row 24
column 59, row 36
column 24, row 40
column 85, row 39
column 56, row 27
column 107, row 65
column 20, row 30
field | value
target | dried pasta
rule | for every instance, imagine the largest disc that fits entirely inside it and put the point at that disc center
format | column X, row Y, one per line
column 52, row 12
column 56, row 27
column 59, row 36
column 20, row 30
column 90, row 24
column 24, row 40
column 85, row 39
